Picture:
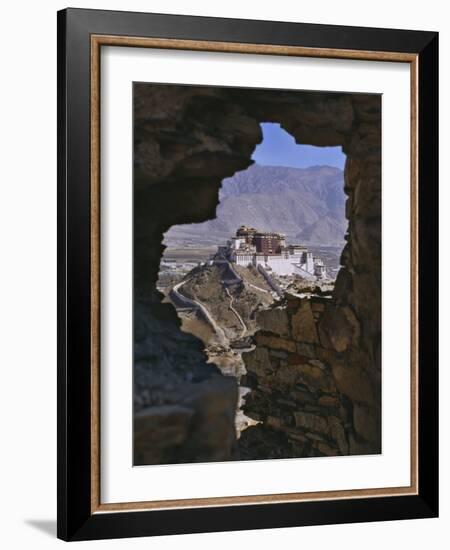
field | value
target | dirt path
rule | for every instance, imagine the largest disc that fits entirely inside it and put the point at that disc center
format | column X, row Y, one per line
column 258, row 288
column 198, row 305
column 244, row 326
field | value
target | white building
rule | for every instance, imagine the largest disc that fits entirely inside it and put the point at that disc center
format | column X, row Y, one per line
column 269, row 250
column 281, row 264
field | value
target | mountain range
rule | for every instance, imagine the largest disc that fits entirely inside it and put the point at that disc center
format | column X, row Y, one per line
column 307, row 204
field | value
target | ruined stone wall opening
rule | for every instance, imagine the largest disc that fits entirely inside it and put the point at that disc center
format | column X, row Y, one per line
column 296, row 190
column 314, row 372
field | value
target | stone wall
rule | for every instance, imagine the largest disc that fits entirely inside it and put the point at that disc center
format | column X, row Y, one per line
column 184, row 408
column 302, row 385
column 187, row 140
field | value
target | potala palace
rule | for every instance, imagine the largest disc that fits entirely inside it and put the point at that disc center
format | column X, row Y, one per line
column 270, row 251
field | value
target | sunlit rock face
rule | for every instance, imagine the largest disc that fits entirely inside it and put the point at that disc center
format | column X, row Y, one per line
column 187, row 140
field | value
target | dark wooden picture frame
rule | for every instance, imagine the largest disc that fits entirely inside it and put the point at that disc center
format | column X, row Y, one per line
column 81, row 34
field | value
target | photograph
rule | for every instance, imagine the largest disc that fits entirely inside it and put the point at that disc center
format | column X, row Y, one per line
column 253, row 211
column 247, row 265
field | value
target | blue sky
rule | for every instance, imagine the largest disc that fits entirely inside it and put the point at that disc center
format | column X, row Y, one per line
column 278, row 148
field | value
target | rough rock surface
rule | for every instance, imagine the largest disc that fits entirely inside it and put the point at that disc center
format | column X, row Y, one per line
column 187, row 140
column 184, row 408
column 304, row 386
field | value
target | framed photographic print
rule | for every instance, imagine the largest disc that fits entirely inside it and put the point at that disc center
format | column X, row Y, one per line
column 247, row 274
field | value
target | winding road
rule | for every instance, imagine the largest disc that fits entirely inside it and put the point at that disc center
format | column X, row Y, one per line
column 178, row 297
column 244, row 326
column 258, row 288
column 181, row 300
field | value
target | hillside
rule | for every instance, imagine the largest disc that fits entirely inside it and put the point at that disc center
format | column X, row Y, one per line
column 206, row 284
column 306, row 204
